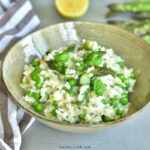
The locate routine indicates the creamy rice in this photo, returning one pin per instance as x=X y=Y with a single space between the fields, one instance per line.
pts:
x=87 y=83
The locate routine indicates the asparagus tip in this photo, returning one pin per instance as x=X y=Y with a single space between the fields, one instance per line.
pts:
x=112 y=10
x=110 y=6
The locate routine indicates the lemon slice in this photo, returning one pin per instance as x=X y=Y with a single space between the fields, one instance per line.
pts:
x=72 y=8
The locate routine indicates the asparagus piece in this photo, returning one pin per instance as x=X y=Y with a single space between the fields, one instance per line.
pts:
x=142 y=15
x=53 y=64
x=143 y=6
x=137 y=27
x=103 y=71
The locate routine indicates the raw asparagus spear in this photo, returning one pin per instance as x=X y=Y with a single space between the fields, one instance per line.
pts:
x=137 y=27
x=129 y=7
x=142 y=16
x=133 y=27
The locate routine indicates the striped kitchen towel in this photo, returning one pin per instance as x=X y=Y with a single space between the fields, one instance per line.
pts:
x=17 y=19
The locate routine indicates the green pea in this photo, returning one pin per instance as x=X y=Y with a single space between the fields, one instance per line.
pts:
x=30 y=94
x=35 y=74
x=126 y=82
x=132 y=76
x=103 y=101
x=74 y=60
x=39 y=108
x=35 y=63
x=36 y=78
x=35 y=103
x=53 y=112
x=37 y=69
x=124 y=94
x=72 y=82
x=119 y=112
x=63 y=57
x=121 y=64
x=55 y=103
x=81 y=67
x=85 y=79
x=38 y=85
x=120 y=85
x=114 y=98
x=107 y=119
x=71 y=93
x=114 y=104
x=82 y=116
x=121 y=76
x=36 y=95
x=124 y=101
x=127 y=85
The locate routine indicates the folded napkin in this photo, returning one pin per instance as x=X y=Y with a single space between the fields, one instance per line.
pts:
x=17 y=19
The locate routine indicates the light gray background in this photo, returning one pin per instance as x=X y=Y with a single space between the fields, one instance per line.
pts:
x=131 y=135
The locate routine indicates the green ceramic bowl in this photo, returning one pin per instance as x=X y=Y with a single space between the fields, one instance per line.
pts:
x=132 y=49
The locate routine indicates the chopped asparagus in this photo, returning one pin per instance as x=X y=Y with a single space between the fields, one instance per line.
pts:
x=53 y=64
x=103 y=71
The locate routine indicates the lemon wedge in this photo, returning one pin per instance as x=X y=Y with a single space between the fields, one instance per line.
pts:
x=72 y=8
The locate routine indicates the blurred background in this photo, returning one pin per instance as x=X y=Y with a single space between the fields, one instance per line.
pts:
x=132 y=15
x=48 y=14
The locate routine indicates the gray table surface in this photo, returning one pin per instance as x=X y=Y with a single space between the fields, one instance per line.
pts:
x=131 y=135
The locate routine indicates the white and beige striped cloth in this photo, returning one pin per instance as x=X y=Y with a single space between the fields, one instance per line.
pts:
x=17 y=19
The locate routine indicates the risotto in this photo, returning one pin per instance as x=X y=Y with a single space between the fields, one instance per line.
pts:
x=85 y=83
